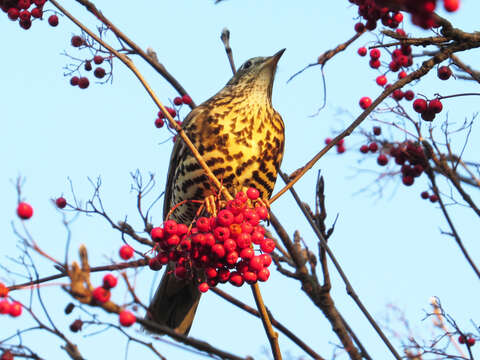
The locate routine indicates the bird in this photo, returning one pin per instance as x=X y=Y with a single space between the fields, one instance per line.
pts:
x=241 y=137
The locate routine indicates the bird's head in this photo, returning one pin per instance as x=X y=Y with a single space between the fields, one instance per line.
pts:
x=256 y=75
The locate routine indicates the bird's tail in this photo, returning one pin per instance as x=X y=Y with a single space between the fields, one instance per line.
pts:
x=174 y=303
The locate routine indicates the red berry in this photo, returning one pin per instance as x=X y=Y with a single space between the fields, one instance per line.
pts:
x=397 y=94
x=231 y=258
x=461 y=339
x=340 y=149
x=186 y=99
x=181 y=272
x=444 y=72
x=247 y=253
x=24 y=15
x=4 y=306
x=88 y=65
x=377 y=130
x=126 y=318
x=262 y=212
x=170 y=227
x=6 y=355
x=157 y=233
x=364 y=149
x=159 y=123
x=267 y=246
x=267 y=259
x=394 y=66
x=76 y=41
x=3 y=290
x=435 y=106
x=373 y=147
x=74 y=81
x=424 y=195
x=13 y=13
x=37 y=13
x=407 y=180
x=451 y=5
x=83 y=83
x=374 y=63
x=382 y=160
x=25 y=24
x=101 y=294
x=15 y=309
x=230 y=245
x=154 y=264
x=236 y=279
x=402 y=74
x=252 y=193
x=250 y=277
x=61 y=202
x=109 y=281
x=381 y=80
x=256 y=263
x=97 y=59
x=433 y=198
x=398 y=17
x=24 y=210
x=409 y=95
x=203 y=224
x=263 y=274
x=218 y=250
x=428 y=115
x=362 y=51
x=126 y=252
x=76 y=326
x=203 y=287
x=359 y=27
x=178 y=101
x=171 y=111
x=225 y=217
x=375 y=54
x=53 y=20
x=365 y=102
x=470 y=341
x=420 y=105
x=328 y=141
x=99 y=72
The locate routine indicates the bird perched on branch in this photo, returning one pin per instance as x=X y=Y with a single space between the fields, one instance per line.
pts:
x=241 y=138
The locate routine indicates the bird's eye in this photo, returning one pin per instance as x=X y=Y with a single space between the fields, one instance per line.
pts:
x=247 y=64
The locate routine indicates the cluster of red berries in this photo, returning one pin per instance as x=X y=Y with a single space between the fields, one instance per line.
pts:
x=99 y=72
x=371 y=11
x=178 y=101
x=470 y=341
x=25 y=11
x=13 y=308
x=408 y=155
x=387 y=10
x=340 y=145
x=220 y=247
x=427 y=109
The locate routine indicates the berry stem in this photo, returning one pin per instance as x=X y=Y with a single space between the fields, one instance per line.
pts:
x=267 y=324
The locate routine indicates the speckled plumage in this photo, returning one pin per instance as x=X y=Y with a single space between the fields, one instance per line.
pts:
x=241 y=138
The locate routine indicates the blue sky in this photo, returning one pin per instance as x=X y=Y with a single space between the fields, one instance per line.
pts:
x=389 y=244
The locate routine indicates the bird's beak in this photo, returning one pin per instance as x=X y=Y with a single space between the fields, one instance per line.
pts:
x=273 y=60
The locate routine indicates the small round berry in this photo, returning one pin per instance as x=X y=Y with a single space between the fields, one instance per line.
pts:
x=76 y=41
x=74 y=81
x=37 y=13
x=25 y=15
x=126 y=252
x=99 y=72
x=381 y=80
x=428 y=115
x=3 y=290
x=83 y=83
x=219 y=250
x=178 y=101
x=377 y=130
x=250 y=277
x=76 y=326
x=424 y=195
x=13 y=14
x=374 y=63
x=171 y=111
x=375 y=54
x=451 y=5
x=407 y=180
x=53 y=20
x=225 y=217
x=444 y=72
x=25 y=24
x=229 y=245
x=382 y=160
x=186 y=99
x=267 y=246
x=101 y=294
x=97 y=59
x=154 y=264
x=6 y=355
x=170 y=227
x=157 y=234
x=126 y=318
x=109 y=281
x=409 y=95
x=433 y=198
x=203 y=287
x=328 y=141
x=364 y=149
x=203 y=224
x=61 y=202
x=402 y=74
x=359 y=27
x=470 y=341
x=159 y=123
x=4 y=306
x=365 y=102
x=397 y=94
x=267 y=260
x=24 y=210
x=262 y=212
x=398 y=17
x=263 y=274
x=231 y=258
x=341 y=149
x=252 y=193
x=362 y=51
x=88 y=65
x=256 y=263
x=435 y=106
x=420 y=105
x=461 y=339
x=236 y=279
x=373 y=147
x=15 y=309
x=247 y=253
x=69 y=308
